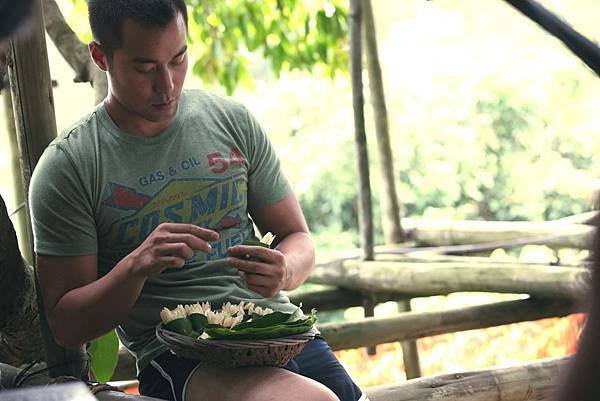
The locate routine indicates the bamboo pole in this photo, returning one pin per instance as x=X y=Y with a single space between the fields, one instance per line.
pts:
x=532 y=381
x=21 y=223
x=392 y=229
x=365 y=210
x=426 y=279
x=415 y=325
x=365 y=205
x=33 y=105
x=452 y=232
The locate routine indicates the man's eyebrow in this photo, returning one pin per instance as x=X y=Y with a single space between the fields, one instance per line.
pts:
x=144 y=60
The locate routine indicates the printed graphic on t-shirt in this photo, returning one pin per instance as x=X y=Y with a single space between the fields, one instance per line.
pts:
x=215 y=203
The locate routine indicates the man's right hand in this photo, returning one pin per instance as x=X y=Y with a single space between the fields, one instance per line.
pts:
x=169 y=245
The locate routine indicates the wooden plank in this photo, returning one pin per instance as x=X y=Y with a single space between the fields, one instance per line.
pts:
x=532 y=381
x=414 y=325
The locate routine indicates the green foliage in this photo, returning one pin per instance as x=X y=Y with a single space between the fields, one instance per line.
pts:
x=331 y=203
x=104 y=353
x=227 y=36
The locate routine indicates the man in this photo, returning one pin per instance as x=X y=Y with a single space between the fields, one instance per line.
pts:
x=144 y=204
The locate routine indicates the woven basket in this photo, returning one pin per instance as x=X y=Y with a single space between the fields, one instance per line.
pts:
x=236 y=353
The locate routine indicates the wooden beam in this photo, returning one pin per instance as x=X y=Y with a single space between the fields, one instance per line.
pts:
x=532 y=381
x=414 y=325
x=454 y=232
x=425 y=279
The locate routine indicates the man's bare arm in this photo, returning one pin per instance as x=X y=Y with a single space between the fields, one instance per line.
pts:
x=289 y=264
x=81 y=307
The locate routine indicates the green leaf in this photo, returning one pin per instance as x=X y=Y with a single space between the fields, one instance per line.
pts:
x=104 y=352
x=252 y=242
x=295 y=323
x=183 y=325
x=199 y=322
x=257 y=333
x=264 y=321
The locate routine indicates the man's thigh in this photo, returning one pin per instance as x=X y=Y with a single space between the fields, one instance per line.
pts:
x=318 y=362
x=311 y=375
x=254 y=384
x=169 y=377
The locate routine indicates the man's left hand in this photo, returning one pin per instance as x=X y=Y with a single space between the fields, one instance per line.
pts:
x=265 y=272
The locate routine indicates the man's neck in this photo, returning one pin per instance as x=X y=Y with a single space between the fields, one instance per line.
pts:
x=131 y=123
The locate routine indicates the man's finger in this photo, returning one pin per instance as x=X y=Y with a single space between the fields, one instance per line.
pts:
x=178 y=249
x=239 y=251
x=191 y=240
x=247 y=265
x=256 y=279
x=200 y=232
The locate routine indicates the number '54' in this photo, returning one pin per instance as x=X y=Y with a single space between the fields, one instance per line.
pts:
x=220 y=164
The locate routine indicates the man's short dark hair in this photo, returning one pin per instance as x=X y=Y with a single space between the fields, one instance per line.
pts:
x=12 y=14
x=107 y=17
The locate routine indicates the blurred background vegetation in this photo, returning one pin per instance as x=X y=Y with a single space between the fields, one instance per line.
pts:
x=490 y=117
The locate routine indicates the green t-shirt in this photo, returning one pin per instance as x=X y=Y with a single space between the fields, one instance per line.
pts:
x=98 y=190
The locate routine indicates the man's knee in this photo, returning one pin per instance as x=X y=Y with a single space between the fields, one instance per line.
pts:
x=322 y=393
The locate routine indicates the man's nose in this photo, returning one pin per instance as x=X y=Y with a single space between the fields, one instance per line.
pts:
x=164 y=81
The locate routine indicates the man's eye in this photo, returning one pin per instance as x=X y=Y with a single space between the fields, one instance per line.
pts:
x=144 y=71
x=179 y=59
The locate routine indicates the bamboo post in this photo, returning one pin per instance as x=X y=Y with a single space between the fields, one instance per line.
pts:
x=392 y=229
x=365 y=210
x=33 y=105
x=20 y=201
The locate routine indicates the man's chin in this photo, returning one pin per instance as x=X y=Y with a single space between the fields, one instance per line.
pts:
x=163 y=112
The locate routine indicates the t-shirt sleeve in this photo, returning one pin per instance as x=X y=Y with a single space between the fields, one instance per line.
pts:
x=266 y=182
x=61 y=212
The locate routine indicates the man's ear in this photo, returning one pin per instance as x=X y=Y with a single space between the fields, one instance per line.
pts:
x=98 y=55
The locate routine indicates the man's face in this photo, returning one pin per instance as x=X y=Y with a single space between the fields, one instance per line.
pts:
x=146 y=75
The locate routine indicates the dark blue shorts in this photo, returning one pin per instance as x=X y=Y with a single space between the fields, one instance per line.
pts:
x=167 y=375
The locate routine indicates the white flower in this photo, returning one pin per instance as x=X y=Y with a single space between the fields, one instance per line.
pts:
x=268 y=238
x=195 y=308
x=262 y=312
x=215 y=317
x=205 y=306
x=249 y=307
x=167 y=315
x=231 y=321
x=230 y=309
